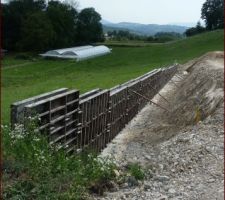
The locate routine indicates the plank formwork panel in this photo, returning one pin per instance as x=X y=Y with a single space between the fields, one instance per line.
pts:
x=117 y=116
x=133 y=100
x=92 y=121
x=58 y=118
x=17 y=108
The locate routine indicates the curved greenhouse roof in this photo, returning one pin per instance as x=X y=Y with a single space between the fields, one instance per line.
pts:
x=78 y=53
x=60 y=51
x=87 y=53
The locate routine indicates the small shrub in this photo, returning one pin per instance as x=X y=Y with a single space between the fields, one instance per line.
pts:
x=136 y=171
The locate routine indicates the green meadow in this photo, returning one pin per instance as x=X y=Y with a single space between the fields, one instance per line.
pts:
x=22 y=78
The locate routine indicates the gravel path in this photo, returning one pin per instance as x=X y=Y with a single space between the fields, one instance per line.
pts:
x=182 y=151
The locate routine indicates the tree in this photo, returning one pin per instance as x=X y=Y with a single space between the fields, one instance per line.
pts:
x=195 y=30
x=150 y=39
x=72 y=3
x=190 y=32
x=89 y=27
x=167 y=36
x=63 y=18
x=213 y=14
x=38 y=32
x=199 y=27
x=35 y=25
x=14 y=14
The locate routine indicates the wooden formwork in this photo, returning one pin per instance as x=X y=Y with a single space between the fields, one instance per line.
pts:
x=166 y=76
x=146 y=81
x=58 y=118
x=151 y=84
x=133 y=100
x=146 y=89
x=92 y=121
x=90 y=93
x=117 y=115
x=168 y=73
x=157 y=81
x=17 y=108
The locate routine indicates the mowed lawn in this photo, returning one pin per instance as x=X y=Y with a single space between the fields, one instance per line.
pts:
x=23 y=78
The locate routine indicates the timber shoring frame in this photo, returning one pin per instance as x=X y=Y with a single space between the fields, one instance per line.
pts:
x=90 y=121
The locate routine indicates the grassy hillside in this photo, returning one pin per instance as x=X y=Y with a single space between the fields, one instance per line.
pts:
x=23 y=78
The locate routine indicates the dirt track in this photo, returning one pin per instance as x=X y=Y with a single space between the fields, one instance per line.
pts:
x=182 y=149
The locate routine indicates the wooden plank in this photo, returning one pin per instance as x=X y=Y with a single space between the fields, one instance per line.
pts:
x=62 y=108
x=17 y=108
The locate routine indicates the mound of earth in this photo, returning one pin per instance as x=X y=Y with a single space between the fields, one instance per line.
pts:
x=182 y=149
x=200 y=92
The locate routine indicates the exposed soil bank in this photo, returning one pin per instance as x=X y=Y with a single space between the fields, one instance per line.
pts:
x=181 y=149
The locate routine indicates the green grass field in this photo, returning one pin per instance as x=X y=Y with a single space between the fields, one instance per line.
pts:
x=23 y=78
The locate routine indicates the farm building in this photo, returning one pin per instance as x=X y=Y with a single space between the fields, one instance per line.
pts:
x=78 y=53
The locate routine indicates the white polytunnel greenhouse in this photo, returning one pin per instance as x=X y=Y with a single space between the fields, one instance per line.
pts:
x=78 y=53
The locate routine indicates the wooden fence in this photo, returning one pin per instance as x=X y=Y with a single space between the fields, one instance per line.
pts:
x=91 y=120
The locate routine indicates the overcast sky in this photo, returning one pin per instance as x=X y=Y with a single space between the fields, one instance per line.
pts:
x=146 y=11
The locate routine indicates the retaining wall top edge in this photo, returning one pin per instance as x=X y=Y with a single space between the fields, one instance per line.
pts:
x=50 y=98
x=116 y=90
x=93 y=96
x=89 y=93
x=38 y=97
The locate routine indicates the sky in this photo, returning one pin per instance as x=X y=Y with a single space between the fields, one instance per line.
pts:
x=146 y=11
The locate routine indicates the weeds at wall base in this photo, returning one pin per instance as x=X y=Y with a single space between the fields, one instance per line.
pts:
x=33 y=169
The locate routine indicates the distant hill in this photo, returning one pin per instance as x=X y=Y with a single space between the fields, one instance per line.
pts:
x=187 y=24
x=142 y=29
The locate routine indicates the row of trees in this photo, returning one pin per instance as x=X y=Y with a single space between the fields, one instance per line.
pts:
x=166 y=36
x=195 y=30
x=158 y=37
x=212 y=13
x=34 y=25
x=124 y=35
